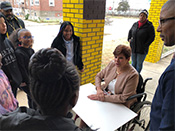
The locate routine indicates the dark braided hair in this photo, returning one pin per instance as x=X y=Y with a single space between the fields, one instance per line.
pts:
x=53 y=80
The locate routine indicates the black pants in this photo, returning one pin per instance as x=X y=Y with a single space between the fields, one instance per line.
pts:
x=30 y=101
x=14 y=88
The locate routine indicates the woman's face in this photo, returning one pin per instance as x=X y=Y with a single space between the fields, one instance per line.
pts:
x=121 y=60
x=67 y=32
x=26 y=38
x=142 y=17
x=3 y=27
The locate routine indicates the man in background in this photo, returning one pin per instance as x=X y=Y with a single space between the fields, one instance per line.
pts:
x=12 y=21
x=163 y=106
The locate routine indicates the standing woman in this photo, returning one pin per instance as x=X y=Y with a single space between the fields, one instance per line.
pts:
x=10 y=66
x=69 y=44
x=140 y=36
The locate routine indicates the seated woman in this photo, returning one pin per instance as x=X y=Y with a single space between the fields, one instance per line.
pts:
x=54 y=86
x=120 y=79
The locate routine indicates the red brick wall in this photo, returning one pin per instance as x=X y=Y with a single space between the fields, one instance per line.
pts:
x=45 y=6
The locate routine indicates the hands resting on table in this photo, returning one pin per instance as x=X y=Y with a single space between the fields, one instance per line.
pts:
x=100 y=96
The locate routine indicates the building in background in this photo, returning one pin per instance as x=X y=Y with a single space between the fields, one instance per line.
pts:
x=37 y=9
x=52 y=9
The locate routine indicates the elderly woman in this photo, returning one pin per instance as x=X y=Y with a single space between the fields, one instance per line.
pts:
x=120 y=79
x=55 y=89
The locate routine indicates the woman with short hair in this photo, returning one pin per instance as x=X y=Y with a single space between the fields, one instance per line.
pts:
x=120 y=79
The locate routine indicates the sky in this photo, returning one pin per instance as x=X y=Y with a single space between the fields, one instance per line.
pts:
x=134 y=4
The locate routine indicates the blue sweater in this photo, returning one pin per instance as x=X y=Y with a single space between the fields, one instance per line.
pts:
x=162 y=110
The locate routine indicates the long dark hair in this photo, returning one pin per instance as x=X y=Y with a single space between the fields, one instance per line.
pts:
x=63 y=26
x=3 y=36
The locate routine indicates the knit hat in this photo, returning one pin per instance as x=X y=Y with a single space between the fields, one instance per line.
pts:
x=145 y=12
x=6 y=5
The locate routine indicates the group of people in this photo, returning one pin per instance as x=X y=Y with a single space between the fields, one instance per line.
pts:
x=16 y=51
x=15 y=54
x=52 y=79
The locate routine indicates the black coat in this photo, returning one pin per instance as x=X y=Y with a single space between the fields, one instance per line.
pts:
x=141 y=37
x=23 y=57
x=28 y=119
x=10 y=66
x=60 y=45
x=13 y=24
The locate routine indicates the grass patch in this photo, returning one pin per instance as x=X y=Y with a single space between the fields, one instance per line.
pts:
x=109 y=47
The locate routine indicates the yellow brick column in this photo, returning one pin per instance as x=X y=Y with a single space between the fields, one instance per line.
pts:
x=155 y=49
x=87 y=16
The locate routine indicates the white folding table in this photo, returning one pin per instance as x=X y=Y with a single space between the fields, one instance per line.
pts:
x=103 y=115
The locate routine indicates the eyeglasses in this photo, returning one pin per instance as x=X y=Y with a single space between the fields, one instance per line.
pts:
x=162 y=21
x=27 y=37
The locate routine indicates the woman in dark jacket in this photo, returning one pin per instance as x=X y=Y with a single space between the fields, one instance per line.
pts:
x=140 y=36
x=10 y=66
x=69 y=44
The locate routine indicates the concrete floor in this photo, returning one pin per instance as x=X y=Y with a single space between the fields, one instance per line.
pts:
x=153 y=70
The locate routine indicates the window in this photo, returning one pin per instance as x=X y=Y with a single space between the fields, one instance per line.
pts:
x=51 y=2
x=27 y=2
x=36 y=2
x=31 y=2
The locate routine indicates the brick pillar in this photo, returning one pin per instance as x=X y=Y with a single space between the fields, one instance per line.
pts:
x=87 y=16
x=155 y=49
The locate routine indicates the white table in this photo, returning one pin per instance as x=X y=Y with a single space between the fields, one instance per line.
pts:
x=103 y=115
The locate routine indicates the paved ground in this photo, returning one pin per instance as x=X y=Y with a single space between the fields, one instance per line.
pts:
x=153 y=70
x=44 y=35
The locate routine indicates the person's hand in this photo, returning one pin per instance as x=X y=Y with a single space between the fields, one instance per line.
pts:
x=100 y=94
x=129 y=40
x=93 y=97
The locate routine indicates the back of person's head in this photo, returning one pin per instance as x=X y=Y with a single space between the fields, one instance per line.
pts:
x=122 y=49
x=63 y=26
x=54 y=81
x=14 y=38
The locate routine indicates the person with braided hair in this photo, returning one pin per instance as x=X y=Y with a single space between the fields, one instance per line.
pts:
x=54 y=88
